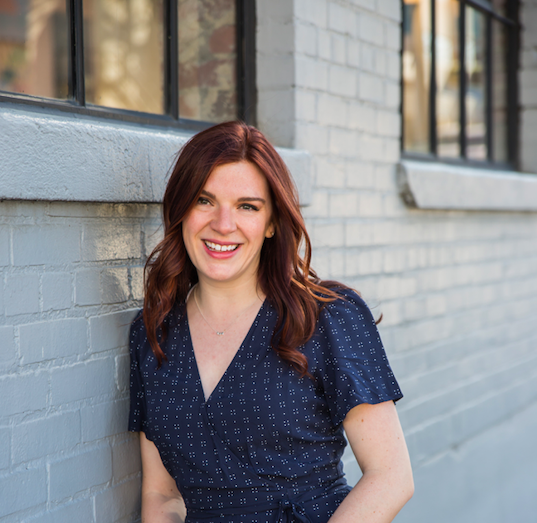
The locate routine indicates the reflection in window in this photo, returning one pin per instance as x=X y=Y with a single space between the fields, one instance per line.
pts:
x=124 y=54
x=207 y=60
x=499 y=93
x=34 y=47
x=475 y=85
x=447 y=77
x=468 y=108
x=416 y=74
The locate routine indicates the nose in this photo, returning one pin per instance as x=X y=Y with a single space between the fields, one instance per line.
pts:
x=223 y=221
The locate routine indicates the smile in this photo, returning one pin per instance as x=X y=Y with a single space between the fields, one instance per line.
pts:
x=220 y=248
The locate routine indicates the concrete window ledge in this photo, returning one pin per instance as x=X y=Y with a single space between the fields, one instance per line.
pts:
x=68 y=157
x=429 y=185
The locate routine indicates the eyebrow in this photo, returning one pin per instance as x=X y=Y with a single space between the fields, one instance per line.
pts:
x=243 y=199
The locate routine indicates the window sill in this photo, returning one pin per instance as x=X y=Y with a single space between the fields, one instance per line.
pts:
x=429 y=185
x=68 y=157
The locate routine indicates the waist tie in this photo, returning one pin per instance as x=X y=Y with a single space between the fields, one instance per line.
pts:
x=287 y=511
x=287 y=508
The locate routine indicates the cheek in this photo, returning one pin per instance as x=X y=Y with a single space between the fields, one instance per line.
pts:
x=259 y=232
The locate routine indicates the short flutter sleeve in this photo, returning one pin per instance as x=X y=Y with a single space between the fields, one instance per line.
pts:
x=353 y=367
x=137 y=347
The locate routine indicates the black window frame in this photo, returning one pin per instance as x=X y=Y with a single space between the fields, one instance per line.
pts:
x=76 y=101
x=512 y=56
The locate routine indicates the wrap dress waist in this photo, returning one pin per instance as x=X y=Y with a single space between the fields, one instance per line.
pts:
x=285 y=506
x=247 y=492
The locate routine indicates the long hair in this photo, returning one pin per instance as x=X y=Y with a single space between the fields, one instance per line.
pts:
x=284 y=276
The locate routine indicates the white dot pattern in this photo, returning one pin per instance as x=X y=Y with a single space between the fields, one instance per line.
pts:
x=266 y=446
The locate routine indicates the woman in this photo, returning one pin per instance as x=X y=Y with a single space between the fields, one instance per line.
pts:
x=246 y=367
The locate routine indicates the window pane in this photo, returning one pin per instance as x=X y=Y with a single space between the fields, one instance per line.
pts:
x=499 y=92
x=207 y=60
x=34 y=48
x=498 y=7
x=416 y=74
x=447 y=78
x=124 y=54
x=475 y=85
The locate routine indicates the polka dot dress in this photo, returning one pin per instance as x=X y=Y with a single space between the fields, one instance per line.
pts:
x=266 y=446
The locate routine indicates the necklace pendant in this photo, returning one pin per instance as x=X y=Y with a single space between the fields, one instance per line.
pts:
x=219 y=333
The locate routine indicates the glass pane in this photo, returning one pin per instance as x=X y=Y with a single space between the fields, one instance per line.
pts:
x=499 y=92
x=124 y=54
x=498 y=7
x=34 y=48
x=447 y=78
x=207 y=60
x=475 y=85
x=416 y=74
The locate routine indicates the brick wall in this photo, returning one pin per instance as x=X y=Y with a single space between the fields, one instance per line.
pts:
x=457 y=289
x=70 y=282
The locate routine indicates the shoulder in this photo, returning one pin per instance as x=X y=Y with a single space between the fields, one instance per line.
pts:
x=137 y=336
x=348 y=307
x=139 y=345
x=346 y=325
x=137 y=326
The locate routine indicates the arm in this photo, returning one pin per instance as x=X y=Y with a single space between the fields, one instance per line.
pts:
x=161 y=501
x=377 y=441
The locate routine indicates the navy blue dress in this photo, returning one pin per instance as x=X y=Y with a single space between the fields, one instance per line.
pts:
x=266 y=446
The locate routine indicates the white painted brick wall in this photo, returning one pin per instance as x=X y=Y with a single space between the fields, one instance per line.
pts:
x=71 y=275
x=456 y=289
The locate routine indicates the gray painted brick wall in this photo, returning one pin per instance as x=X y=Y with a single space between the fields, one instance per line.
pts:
x=456 y=288
x=71 y=276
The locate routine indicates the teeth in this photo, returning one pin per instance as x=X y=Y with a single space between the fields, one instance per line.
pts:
x=221 y=248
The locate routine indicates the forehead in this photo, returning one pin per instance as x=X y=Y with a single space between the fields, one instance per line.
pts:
x=238 y=177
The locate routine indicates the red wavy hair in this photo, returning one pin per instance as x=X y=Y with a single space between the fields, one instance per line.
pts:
x=284 y=276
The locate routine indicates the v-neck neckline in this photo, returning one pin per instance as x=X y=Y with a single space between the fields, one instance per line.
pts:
x=232 y=363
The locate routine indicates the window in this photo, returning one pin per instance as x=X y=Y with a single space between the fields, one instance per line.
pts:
x=459 y=80
x=174 y=62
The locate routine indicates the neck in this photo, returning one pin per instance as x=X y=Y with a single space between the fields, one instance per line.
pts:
x=227 y=299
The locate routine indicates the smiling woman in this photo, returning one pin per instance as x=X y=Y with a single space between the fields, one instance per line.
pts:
x=246 y=368
x=230 y=221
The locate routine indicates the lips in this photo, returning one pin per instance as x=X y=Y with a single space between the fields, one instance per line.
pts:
x=216 y=247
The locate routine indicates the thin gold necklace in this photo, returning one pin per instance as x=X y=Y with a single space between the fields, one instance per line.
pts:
x=217 y=332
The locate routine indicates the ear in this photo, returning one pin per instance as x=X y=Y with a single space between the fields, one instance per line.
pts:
x=270 y=231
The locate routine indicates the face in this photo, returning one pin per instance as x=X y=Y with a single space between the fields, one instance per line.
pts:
x=226 y=228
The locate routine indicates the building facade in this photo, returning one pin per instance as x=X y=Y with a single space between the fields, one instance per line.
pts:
x=445 y=250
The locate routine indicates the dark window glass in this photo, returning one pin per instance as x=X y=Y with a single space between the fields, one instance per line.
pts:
x=34 y=48
x=475 y=84
x=467 y=108
x=499 y=92
x=416 y=74
x=207 y=60
x=124 y=54
x=447 y=78
x=180 y=62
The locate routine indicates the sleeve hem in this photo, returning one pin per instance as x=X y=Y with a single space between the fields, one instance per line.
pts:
x=357 y=400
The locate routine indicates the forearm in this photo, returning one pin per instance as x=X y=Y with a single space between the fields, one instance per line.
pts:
x=376 y=498
x=157 y=508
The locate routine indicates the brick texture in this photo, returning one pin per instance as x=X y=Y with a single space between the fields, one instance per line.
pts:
x=71 y=286
x=455 y=289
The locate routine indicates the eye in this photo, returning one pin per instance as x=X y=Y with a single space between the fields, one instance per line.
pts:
x=203 y=201
x=249 y=207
